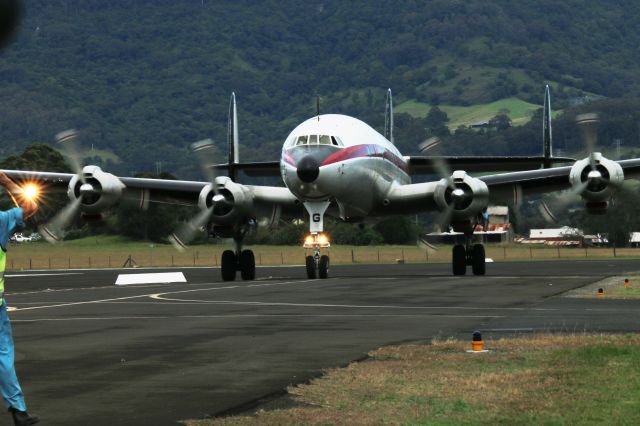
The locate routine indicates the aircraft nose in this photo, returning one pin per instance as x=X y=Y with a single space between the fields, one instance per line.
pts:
x=308 y=169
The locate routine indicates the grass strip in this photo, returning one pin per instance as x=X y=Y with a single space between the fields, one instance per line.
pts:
x=533 y=380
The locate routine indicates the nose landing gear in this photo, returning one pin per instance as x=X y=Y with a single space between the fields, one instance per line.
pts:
x=317 y=264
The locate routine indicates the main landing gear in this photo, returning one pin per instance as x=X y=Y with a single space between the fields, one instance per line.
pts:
x=238 y=260
x=468 y=254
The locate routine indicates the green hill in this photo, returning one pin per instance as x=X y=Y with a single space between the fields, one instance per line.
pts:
x=519 y=111
x=143 y=79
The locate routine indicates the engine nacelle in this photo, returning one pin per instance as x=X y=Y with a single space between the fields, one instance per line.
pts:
x=97 y=191
x=230 y=201
x=463 y=195
x=597 y=183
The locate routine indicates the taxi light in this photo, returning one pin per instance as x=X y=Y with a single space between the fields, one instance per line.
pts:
x=316 y=240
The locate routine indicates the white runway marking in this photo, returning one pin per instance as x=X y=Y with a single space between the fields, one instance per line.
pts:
x=41 y=275
x=129 y=318
x=153 y=278
x=139 y=296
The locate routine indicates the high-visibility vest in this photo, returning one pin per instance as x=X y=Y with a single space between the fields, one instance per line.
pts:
x=3 y=264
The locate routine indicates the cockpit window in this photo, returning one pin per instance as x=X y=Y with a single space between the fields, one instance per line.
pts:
x=317 y=139
x=325 y=140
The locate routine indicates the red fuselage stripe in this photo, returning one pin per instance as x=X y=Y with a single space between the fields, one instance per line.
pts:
x=368 y=150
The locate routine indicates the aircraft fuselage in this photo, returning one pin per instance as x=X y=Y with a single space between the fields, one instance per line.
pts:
x=342 y=159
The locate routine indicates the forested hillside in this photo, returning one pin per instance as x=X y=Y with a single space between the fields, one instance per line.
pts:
x=143 y=79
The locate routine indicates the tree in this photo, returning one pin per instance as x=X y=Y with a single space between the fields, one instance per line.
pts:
x=398 y=230
x=155 y=224
x=621 y=218
x=500 y=122
x=435 y=122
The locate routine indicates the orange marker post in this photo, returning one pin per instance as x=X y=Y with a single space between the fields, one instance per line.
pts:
x=477 y=345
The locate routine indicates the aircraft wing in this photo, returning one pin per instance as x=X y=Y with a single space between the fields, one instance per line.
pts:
x=423 y=165
x=503 y=187
x=509 y=186
x=429 y=165
x=144 y=190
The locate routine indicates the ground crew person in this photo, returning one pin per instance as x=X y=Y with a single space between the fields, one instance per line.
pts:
x=9 y=386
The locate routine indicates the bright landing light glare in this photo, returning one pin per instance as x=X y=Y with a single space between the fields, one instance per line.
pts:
x=31 y=191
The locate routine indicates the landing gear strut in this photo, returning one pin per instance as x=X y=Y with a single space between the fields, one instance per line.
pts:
x=316 y=263
x=468 y=254
x=238 y=260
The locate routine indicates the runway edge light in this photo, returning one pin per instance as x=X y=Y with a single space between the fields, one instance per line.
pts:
x=600 y=292
x=476 y=341
x=477 y=345
x=626 y=282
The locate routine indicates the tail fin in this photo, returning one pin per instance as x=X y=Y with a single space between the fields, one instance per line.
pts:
x=232 y=137
x=388 y=117
x=546 y=129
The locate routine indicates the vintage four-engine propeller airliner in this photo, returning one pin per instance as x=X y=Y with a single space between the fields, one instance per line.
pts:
x=337 y=165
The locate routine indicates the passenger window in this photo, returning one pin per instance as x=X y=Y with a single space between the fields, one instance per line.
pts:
x=313 y=139
x=302 y=140
x=325 y=140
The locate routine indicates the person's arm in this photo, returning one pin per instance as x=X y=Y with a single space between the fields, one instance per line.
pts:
x=29 y=207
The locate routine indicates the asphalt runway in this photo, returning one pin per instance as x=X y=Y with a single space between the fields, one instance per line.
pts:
x=89 y=352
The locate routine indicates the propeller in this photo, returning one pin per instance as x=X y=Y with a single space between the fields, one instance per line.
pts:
x=54 y=230
x=205 y=152
x=595 y=177
x=429 y=143
x=442 y=169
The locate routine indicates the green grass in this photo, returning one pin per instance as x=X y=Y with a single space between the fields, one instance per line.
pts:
x=519 y=111
x=111 y=251
x=539 y=379
x=622 y=292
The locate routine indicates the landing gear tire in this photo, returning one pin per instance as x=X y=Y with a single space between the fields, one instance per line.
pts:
x=247 y=265
x=478 y=264
x=459 y=260
x=323 y=267
x=228 y=266
x=311 y=267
